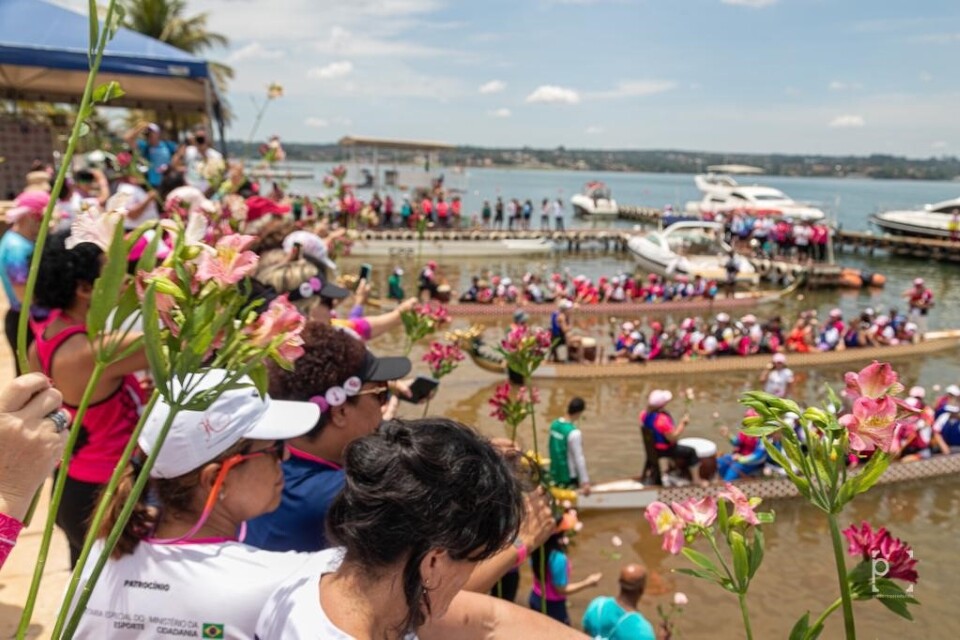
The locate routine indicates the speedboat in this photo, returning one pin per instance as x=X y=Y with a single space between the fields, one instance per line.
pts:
x=932 y=221
x=753 y=200
x=595 y=201
x=688 y=249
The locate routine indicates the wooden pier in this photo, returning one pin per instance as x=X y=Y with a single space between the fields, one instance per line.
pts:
x=906 y=246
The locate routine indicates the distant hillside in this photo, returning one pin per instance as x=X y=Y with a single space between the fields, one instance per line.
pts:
x=655 y=161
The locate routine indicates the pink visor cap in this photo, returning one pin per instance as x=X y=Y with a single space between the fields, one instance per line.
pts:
x=198 y=437
x=28 y=203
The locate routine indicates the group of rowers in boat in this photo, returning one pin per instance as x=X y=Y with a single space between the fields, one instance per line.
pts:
x=933 y=430
x=699 y=338
x=536 y=289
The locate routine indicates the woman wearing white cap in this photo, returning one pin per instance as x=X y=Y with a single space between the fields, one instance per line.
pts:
x=178 y=566
x=666 y=433
x=777 y=379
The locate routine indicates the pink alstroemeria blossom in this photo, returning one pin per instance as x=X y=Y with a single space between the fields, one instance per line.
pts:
x=742 y=506
x=873 y=381
x=872 y=424
x=876 y=545
x=664 y=522
x=697 y=512
x=231 y=263
x=280 y=319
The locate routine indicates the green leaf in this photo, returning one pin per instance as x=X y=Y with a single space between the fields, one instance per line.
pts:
x=863 y=481
x=741 y=566
x=115 y=21
x=84 y=129
x=106 y=289
x=705 y=575
x=108 y=91
x=701 y=561
x=897 y=605
x=799 y=631
x=723 y=516
x=765 y=517
x=94 y=21
x=756 y=551
x=761 y=430
x=153 y=343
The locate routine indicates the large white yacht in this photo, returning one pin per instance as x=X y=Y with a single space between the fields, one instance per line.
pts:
x=753 y=199
x=688 y=249
x=932 y=221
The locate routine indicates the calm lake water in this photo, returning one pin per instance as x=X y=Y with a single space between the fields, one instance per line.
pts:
x=798 y=572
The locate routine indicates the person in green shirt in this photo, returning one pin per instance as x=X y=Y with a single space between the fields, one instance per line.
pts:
x=395 y=285
x=568 y=467
x=617 y=618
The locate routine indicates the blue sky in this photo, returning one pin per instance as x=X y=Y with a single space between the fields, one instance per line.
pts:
x=794 y=76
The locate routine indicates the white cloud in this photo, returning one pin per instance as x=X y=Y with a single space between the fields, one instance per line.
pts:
x=635 y=88
x=494 y=86
x=593 y=130
x=552 y=94
x=344 y=42
x=792 y=91
x=254 y=51
x=938 y=38
x=926 y=76
x=502 y=112
x=339 y=69
x=939 y=144
x=317 y=123
x=753 y=4
x=848 y=122
x=839 y=85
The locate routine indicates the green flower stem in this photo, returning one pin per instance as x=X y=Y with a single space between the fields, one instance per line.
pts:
x=823 y=616
x=58 y=488
x=708 y=534
x=849 y=625
x=119 y=525
x=94 y=529
x=742 y=597
x=25 y=304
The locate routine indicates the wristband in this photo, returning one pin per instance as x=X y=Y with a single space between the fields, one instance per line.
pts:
x=521 y=552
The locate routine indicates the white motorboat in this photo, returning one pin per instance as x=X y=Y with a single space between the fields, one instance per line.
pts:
x=754 y=200
x=595 y=201
x=933 y=221
x=688 y=249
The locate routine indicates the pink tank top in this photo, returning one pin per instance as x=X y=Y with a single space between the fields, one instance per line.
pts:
x=552 y=594
x=108 y=423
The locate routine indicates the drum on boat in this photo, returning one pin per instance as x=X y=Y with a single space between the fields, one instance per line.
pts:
x=706 y=452
x=443 y=293
x=588 y=349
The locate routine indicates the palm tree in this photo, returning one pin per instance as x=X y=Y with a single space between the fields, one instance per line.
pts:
x=165 y=20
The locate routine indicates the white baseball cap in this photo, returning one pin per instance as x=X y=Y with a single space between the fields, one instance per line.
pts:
x=198 y=437
x=312 y=247
x=953 y=390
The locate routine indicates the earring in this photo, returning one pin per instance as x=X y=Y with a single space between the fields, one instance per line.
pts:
x=221 y=496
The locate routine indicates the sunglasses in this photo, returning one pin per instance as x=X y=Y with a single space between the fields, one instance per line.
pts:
x=278 y=450
x=382 y=394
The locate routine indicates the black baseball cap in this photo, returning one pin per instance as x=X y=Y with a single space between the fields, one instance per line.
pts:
x=376 y=369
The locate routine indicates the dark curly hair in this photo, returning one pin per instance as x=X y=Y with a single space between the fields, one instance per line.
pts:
x=421 y=485
x=62 y=269
x=272 y=234
x=330 y=356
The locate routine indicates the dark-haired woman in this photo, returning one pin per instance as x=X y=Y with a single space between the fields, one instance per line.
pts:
x=423 y=502
x=64 y=354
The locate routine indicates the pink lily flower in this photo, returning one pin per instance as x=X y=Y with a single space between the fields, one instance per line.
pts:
x=701 y=512
x=664 y=522
x=742 y=506
x=280 y=319
x=880 y=544
x=231 y=263
x=873 y=381
x=872 y=424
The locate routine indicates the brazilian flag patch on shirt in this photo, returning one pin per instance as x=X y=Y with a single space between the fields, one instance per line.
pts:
x=212 y=630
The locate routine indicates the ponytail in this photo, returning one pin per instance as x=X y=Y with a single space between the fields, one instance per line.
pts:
x=142 y=520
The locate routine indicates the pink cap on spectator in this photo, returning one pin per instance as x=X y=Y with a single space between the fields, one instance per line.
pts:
x=918 y=282
x=28 y=203
x=779 y=358
x=917 y=392
x=658 y=398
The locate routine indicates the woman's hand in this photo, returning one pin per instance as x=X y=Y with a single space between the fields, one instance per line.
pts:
x=30 y=443
x=537 y=524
